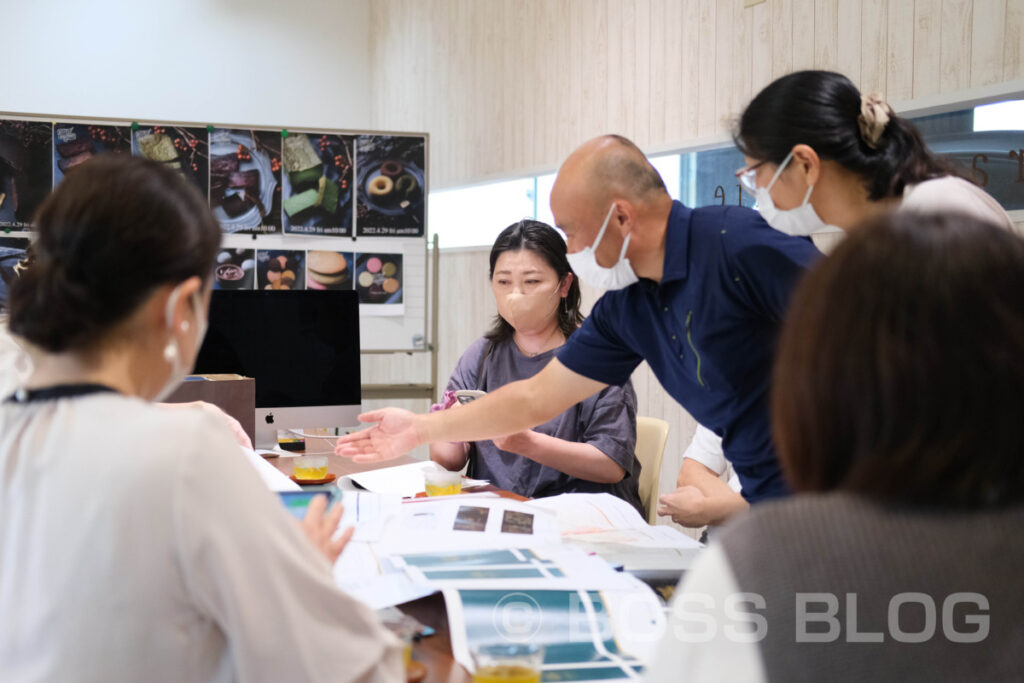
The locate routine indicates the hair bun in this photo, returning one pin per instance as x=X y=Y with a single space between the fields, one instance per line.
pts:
x=874 y=117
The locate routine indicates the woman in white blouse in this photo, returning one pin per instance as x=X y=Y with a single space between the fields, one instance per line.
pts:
x=137 y=543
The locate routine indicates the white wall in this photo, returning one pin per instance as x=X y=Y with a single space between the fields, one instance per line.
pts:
x=303 y=63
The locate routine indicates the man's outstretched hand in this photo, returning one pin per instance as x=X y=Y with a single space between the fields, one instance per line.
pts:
x=395 y=434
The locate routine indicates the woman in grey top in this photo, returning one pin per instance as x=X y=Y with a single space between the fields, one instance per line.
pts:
x=588 y=448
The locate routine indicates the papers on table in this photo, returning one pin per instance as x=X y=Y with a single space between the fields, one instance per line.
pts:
x=587 y=635
x=603 y=518
x=405 y=480
x=369 y=513
x=386 y=590
x=467 y=523
x=275 y=479
x=611 y=528
x=553 y=567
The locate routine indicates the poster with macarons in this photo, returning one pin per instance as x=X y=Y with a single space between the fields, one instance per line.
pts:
x=379 y=283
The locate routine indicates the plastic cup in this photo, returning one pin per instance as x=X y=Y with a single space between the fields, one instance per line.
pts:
x=442 y=482
x=508 y=663
x=310 y=467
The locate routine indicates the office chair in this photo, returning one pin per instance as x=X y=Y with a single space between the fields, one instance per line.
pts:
x=651 y=436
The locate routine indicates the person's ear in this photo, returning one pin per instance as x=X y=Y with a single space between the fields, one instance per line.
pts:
x=624 y=217
x=807 y=162
x=563 y=289
x=180 y=313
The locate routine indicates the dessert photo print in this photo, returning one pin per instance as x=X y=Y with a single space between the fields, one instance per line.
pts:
x=329 y=270
x=76 y=143
x=390 y=186
x=280 y=269
x=236 y=269
x=317 y=183
x=379 y=283
x=245 y=180
x=186 y=151
x=26 y=176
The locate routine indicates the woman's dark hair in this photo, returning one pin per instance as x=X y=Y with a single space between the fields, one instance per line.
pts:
x=113 y=230
x=543 y=240
x=900 y=370
x=820 y=109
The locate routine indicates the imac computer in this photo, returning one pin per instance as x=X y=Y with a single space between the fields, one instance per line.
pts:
x=300 y=347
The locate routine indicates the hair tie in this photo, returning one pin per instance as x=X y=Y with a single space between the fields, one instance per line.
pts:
x=874 y=117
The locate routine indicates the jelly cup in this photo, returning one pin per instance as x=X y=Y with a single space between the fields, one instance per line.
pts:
x=310 y=467
x=508 y=663
x=442 y=482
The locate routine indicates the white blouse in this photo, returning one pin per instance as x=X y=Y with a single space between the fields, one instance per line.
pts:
x=948 y=194
x=138 y=544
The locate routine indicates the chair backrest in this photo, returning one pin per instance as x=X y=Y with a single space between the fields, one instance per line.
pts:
x=651 y=436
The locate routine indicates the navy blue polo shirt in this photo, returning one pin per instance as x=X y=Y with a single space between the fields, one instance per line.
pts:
x=707 y=330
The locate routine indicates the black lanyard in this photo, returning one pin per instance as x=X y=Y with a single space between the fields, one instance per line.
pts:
x=57 y=391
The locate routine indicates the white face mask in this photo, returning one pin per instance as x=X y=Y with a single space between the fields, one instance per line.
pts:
x=801 y=221
x=172 y=352
x=585 y=264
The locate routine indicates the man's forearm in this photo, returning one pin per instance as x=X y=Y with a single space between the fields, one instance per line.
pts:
x=718 y=509
x=512 y=408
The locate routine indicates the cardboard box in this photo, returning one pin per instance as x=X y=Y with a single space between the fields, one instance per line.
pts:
x=234 y=394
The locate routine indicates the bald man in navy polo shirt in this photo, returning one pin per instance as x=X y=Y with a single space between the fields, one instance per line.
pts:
x=709 y=288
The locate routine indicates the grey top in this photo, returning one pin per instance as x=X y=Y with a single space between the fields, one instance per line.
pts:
x=606 y=420
x=872 y=557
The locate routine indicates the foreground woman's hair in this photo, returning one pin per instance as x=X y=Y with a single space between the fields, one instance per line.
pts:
x=901 y=366
x=111 y=232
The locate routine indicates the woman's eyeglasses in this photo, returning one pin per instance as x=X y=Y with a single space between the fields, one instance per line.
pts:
x=747 y=177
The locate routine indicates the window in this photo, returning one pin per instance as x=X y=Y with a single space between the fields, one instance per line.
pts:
x=473 y=216
x=985 y=142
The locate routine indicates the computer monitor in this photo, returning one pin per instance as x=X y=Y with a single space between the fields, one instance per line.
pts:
x=300 y=347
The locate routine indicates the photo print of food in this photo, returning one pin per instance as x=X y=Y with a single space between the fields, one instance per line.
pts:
x=391 y=186
x=26 y=176
x=379 y=283
x=235 y=269
x=329 y=270
x=76 y=143
x=186 y=151
x=245 y=180
x=278 y=269
x=317 y=181
x=12 y=256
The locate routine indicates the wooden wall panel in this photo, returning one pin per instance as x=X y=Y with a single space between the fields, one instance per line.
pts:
x=508 y=87
x=927 y=42
x=1013 y=41
x=988 y=29
x=955 y=50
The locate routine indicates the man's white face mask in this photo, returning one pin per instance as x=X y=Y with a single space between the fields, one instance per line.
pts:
x=801 y=221
x=586 y=267
x=172 y=353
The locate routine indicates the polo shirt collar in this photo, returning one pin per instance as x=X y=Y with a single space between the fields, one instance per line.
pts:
x=677 y=244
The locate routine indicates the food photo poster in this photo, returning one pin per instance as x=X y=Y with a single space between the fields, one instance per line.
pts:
x=391 y=186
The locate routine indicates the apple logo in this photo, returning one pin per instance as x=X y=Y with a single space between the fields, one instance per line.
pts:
x=270 y=418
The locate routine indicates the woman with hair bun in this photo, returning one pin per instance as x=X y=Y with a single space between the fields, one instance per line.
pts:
x=137 y=542
x=820 y=153
x=588 y=448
